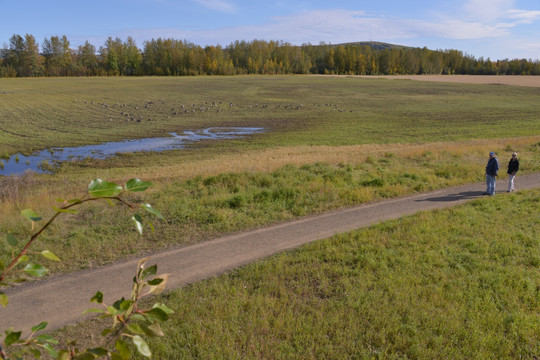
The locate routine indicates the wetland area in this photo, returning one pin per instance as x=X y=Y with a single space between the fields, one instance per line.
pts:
x=42 y=161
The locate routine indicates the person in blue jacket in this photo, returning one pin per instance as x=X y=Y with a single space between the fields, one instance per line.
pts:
x=491 y=173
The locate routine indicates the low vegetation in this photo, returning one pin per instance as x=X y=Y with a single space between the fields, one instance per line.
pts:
x=204 y=206
x=293 y=110
x=454 y=283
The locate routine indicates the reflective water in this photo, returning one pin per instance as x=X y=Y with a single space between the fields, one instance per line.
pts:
x=18 y=163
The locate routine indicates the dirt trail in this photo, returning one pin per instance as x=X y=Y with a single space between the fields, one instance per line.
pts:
x=61 y=299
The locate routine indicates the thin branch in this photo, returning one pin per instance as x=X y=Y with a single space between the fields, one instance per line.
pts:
x=37 y=234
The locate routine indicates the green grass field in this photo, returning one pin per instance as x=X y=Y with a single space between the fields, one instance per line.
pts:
x=459 y=283
x=421 y=287
x=295 y=110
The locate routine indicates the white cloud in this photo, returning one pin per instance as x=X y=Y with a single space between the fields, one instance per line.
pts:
x=218 y=5
x=463 y=30
x=340 y=26
x=487 y=10
x=524 y=16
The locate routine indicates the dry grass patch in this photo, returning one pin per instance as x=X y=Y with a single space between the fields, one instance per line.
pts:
x=517 y=80
x=36 y=191
x=271 y=159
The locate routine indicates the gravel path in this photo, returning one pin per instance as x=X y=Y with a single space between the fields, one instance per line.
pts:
x=61 y=299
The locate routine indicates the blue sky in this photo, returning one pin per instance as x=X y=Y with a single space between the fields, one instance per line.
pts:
x=497 y=29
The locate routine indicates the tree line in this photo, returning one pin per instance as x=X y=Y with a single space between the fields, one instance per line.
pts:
x=170 y=57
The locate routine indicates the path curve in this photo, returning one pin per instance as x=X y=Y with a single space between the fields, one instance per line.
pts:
x=61 y=299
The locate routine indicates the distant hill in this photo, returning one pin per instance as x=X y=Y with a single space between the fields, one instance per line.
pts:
x=376 y=45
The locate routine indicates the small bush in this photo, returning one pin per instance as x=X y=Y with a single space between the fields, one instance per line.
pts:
x=236 y=202
x=377 y=182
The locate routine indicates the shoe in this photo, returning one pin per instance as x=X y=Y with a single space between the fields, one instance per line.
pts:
x=486 y=193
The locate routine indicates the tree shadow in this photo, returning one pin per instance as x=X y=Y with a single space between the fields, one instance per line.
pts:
x=466 y=195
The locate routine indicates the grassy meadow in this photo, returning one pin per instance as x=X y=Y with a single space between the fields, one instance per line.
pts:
x=295 y=110
x=419 y=287
x=458 y=283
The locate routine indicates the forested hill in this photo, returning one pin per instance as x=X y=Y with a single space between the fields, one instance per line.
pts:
x=375 y=45
x=24 y=57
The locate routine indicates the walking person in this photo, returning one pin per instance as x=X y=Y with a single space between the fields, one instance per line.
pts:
x=491 y=173
x=513 y=167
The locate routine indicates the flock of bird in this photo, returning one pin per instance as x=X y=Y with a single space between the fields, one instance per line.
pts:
x=145 y=112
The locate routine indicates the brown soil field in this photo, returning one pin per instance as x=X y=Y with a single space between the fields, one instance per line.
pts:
x=513 y=80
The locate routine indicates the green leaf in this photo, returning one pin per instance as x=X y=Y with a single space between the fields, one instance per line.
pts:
x=52 y=352
x=31 y=215
x=85 y=356
x=123 y=349
x=137 y=185
x=63 y=355
x=36 y=353
x=11 y=239
x=163 y=307
x=152 y=270
x=98 y=297
x=142 y=346
x=122 y=304
x=35 y=270
x=93 y=310
x=111 y=310
x=68 y=211
x=158 y=284
x=99 y=351
x=99 y=188
x=49 y=255
x=138 y=223
x=40 y=326
x=22 y=259
x=138 y=317
x=126 y=304
x=74 y=201
x=135 y=329
x=153 y=330
x=44 y=338
x=156 y=314
x=12 y=338
x=155 y=281
x=152 y=211
x=4 y=300
x=151 y=226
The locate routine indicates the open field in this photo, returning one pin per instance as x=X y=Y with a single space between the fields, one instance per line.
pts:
x=294 y=110
x=330 y=142
x=526 y=80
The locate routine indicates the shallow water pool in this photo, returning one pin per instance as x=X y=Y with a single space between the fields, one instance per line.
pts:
x=18 y=163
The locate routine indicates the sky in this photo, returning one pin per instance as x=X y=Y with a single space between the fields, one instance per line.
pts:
x=495 y=29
